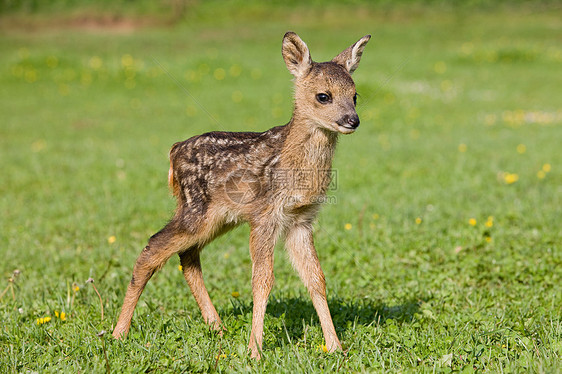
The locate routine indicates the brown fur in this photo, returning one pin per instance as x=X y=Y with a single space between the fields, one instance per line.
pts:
x=274 y=180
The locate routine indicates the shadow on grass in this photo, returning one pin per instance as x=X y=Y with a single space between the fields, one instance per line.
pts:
x=298 y=312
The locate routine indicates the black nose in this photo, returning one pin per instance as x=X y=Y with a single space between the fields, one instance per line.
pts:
x=351 y=121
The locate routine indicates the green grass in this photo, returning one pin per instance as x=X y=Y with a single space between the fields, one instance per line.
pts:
x=454 y=103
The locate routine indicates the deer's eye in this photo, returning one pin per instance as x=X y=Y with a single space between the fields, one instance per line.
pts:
x=323 y=98
x=355 y=99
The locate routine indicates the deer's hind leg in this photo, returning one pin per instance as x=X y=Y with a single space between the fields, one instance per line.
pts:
x=191 y=266
x=161 y=246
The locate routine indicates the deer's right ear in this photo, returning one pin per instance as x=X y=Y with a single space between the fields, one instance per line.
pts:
x=296 y=55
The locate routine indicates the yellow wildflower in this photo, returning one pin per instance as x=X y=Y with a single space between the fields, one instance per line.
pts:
x=235 y=294
x=521 y=148
x=219 y=74
x=348 y=226
x=446 y=85
x=467 y=48
x=256 y=74
x=52 y=61
x=111 y=239
x=472 y=222
x=75 y=288
x=490 y=119
x=235 y=70
x=127 y=60
x=30 y=76
x=440 y=67
x=64 y=89
x=462 y=147
x=541 y=174
x=490 y=222
x=510 y=178
x=63 y=316
x=86 y=78
x=38 y=145
x=43 y=320
x=237 y=96
x=180 y=268
x=418 y=220
x=95 y=62
x=546 y=168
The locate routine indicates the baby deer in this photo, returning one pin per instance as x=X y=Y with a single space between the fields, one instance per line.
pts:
x=274 y=180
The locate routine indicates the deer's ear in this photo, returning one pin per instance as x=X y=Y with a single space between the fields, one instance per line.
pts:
x=350 y=57
x=296 y=55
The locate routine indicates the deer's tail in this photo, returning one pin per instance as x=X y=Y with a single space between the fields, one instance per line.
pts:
x=172 y=180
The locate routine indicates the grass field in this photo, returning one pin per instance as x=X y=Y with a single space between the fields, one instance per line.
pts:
x=441 y=244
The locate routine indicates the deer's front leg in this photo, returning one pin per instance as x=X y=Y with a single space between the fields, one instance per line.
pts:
x=262 y=243
x=300 y=245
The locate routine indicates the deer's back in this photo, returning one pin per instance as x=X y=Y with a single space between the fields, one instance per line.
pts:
x=203 y=165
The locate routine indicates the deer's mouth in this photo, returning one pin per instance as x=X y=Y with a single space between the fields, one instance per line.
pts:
x=348 y=124
x=346 y=129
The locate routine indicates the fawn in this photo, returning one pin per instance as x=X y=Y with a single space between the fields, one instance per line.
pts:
x=274 y=180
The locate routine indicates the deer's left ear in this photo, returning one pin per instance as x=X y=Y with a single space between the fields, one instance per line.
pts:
x=350 y=57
